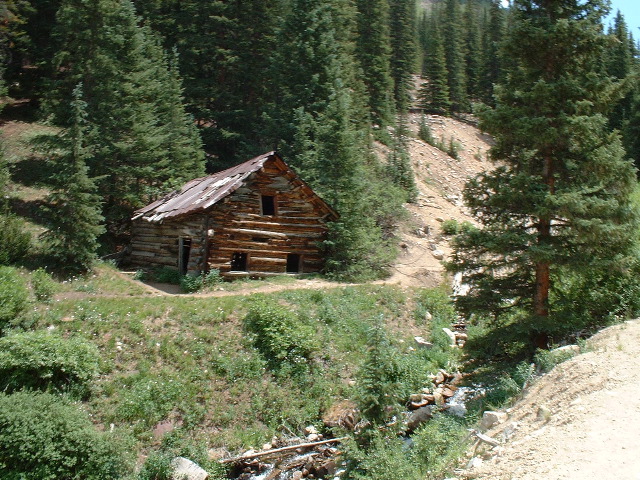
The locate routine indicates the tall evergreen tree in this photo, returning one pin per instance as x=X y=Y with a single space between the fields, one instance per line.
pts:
x=454 y=55
x=434 y=92
x=74 y=216
x=559 y=201
x=473 y=48
x=403 y=50
x=145 y=142
x=399 y=161
x=492 y=64
x=374 y=53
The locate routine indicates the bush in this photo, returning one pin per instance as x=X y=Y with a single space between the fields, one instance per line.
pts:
x=167 y=275
x=383 y=458
x=43 y=285
x=438 y=444
x=45 y=361
x=193 y=283
x=45 y=438
x=15 y=242
x=450 y=227
x=13 y=295
x=283 y=341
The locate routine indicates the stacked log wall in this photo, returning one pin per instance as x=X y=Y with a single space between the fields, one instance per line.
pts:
x=297 y=227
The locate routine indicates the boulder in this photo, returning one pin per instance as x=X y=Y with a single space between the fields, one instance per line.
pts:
x=490 y=419
x=419 y=416
x=438 y=254
x=451 y=335
x=185 y=469
x=456 y=409
x=422 y=343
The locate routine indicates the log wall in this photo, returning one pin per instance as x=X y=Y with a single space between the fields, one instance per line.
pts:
x=237 y=225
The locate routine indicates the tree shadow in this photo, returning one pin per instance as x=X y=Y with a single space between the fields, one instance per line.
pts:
x=30 y=209
x=33 y=171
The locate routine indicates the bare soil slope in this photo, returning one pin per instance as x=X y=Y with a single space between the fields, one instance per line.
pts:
x=592 y=426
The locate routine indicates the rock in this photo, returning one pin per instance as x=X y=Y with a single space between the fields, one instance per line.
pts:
x=297 y=475
x=267 y=446
x=475 y=462
x=415 y=397
x=449 y=391
x=185 y=469
x=451 y=335
x=461 y=336
x=544 y=413
x=217 y=453
x=457 y=409
x=310 y=430
x=343 y=414
x=419 y=416
x=439 y=219
x=490 y=419
x=314 y=437
x=326 y=469
x=438 y=397
x=422 y=343
x=438 y=254
x=428 y=317
x=440 y=378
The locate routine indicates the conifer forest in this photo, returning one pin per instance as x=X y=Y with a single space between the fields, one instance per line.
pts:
x=119 y=102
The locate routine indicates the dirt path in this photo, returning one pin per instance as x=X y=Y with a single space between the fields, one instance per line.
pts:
x=592 y=429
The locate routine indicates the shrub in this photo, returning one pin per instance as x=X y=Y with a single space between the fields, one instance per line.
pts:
x=43 y=360
x=13 y=295
x=43 y=285
x=424 y=132
x=15 y=242
x=284 y=342
x=167 y=275
x=450 y=227
x=191 y=283
x=438 y=444
x=44 y=437
x=382 y=458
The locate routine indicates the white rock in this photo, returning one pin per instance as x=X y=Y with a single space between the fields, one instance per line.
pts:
x=450 y=334
x=185 y=469
x=310 y=429
x=489 y=419
x=428 y=317
x=422 y=343
x=475 y=462
x=438 y=254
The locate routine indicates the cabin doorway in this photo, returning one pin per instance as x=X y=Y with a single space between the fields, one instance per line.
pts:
x=184 y=251
x=293 y=263
x=239 y=262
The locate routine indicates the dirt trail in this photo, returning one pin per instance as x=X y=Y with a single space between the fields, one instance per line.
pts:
x=592 y=428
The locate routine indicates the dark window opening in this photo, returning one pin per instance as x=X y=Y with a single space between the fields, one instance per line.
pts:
x=239 y=262
x=268 y=204
x=260 y=239
x=184 y=250
x=293 y=263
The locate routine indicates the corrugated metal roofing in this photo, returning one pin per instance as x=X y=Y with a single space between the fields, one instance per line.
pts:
x=201 y=193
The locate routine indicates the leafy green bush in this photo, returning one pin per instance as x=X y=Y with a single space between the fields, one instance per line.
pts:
x=282 y=339
x=43 y=360
x=379 y=379
x=13 y=295
x=43 y=285
x=382 y=458
x=167 y=275
x=45 y=438
x=15 y=242
x=438 y=444
x=191 y=283
x=450 y=227
x=545 y=360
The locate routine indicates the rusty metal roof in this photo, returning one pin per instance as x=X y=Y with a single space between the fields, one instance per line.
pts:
x=202 y=193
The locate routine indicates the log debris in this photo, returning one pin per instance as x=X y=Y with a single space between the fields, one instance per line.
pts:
x=280 y=450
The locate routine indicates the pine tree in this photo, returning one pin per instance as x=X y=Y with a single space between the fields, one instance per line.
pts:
x=374 y=53
x=473 y=49
x=454 y=55
x=403 y=50
x=145 y=142
x=559 y=201
x=491 y=58
x=433 y=95
x=74 y=212
x=399 y=161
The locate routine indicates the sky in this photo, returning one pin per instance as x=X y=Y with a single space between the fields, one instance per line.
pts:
x=631 y=11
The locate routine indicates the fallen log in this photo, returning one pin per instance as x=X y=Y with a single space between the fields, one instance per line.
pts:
x=281 y=449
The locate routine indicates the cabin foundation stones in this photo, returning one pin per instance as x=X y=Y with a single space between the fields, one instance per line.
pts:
x=255 y=219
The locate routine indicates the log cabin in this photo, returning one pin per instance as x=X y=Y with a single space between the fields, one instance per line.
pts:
x=255 y=219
